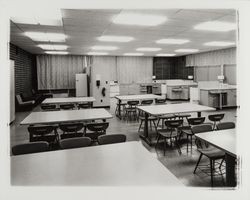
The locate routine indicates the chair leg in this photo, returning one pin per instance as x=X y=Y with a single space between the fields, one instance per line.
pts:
x=158 y=138
x=140 y=126
x=221 y=163
x=178 y=147
x=197 y=163
x=155 y=125
x=211 y=171
x=165 y=144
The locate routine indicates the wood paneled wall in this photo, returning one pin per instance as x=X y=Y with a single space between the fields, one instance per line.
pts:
x=25 y=69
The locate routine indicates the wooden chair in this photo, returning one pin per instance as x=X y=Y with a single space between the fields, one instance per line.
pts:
x=111 y=139
x=212 y=153
x=160 y=101
x=70 y=106
x=170 y=133
x=49 y=107
x=131 y=110
x=86 y=105
x=97 y=129
x=71 y=130
x=70 y=143
x=33 y=147
x=216 y=118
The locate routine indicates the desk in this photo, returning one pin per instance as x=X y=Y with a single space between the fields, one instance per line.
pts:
x=123 y=164
x=138 y=97
x=226 y=141
x=158 y=110
x=54 y=117
x=68 y=100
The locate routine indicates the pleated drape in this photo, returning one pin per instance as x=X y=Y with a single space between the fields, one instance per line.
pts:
x=58 y=72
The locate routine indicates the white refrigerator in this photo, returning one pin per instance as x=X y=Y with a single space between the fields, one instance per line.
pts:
x=81 y=85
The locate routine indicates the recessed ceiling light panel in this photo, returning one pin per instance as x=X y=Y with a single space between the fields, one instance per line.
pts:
x=186 y=50
x=111 y=38
x=172 y=41
x=133 y=54
x=165 y=54
x=97 y=53
x=46 y=37
x=57 y=52
x=139 y=19
x=219 y=43
x=52 y=47
x=216 y=26
x=148 y=49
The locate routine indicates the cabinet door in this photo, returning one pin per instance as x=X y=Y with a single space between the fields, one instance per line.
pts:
x=232 y=98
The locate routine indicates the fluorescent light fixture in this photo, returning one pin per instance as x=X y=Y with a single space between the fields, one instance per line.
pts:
x=139 y=19
x=111 y=38
x=216 y=26
x=97 y=53
x=148 y=49
x=190 y=77
x=46 y=37
x=219 y=43
x=172 y=41
x=186 y=50
x=57 y=52
x=108 y=48
x=165 y=54
x=52 y=47
x=133 y=54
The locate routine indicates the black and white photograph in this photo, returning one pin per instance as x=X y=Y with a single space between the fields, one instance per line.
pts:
x=124 y=100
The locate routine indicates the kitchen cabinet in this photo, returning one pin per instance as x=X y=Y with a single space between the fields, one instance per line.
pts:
x=178 y=92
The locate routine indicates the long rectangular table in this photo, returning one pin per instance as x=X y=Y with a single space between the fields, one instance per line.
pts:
x=136 y=97
x=68 y=100
x=157 y=110
x=53 y=117
x=226 y=141
x=106 y=165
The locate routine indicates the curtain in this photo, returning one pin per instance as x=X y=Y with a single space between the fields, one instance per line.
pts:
x=58 y=72
x=218 y=57
x=134 y=69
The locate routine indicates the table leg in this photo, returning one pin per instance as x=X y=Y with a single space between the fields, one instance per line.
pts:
x=145 y=134
x=230 y=171
x=198 y=114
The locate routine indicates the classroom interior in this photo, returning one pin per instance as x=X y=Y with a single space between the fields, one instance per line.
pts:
x=157 y=81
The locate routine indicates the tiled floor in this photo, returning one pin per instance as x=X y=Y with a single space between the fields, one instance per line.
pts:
x=180 y=165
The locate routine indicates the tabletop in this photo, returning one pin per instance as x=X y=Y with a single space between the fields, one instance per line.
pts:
x=68 y=100
x=138 y=97
x=66 y=116
x=224 y=140
x=174 y=108
x=126 y=163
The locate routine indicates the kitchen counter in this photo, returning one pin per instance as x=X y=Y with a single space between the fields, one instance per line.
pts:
x=229 y=87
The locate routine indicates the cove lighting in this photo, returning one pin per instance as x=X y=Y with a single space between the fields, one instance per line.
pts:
x=165 y=54
x=46 y=37
x=57 y=52
x=172 y=41
x=97 y=53
x=133 y=54
x=219 y=43
x=216 y=26
x=187 y=50
x=52 y=47
x=148 y=49
x=109 y=48
x=139 y=19
x=111 y=38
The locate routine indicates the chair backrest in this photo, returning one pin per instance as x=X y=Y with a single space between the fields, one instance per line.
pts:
x=196 y=120
x=133 y=103
x=110 y=139
x=160 y=101
x=33 y=147
x=84 y=105
x=146 y=102
x=174 y=123
x=48 y=107
x=98 y=127
x=216 y=117
x=67 y=106
x=201 y=129
x=75 y=142
x=41 y=130
x=225 y=125
x=71 y=127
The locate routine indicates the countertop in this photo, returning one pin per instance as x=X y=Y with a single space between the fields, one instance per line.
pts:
x=229 y=87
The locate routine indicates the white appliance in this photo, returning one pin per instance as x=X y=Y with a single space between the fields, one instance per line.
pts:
x=81 y=85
